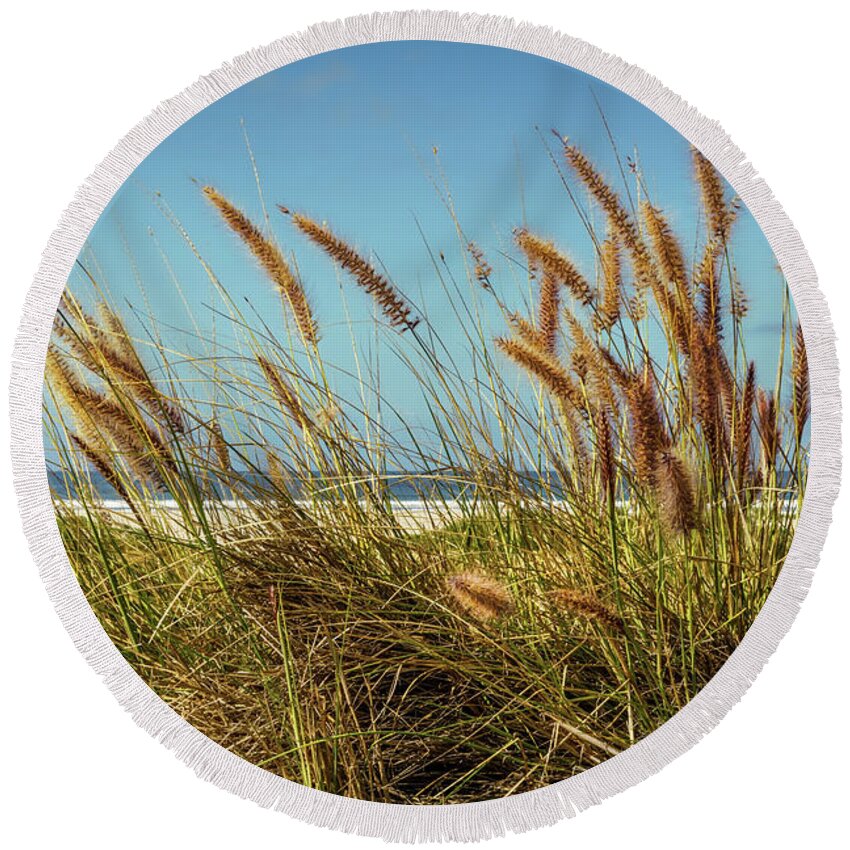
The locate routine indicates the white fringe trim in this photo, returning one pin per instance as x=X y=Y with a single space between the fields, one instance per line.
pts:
x=470 y=821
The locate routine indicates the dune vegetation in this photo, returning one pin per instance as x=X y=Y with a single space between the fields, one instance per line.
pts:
x=600 y=518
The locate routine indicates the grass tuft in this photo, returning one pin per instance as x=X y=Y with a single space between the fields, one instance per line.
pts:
x=597 y=509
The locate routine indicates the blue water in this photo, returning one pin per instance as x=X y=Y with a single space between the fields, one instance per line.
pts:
x=401 y=487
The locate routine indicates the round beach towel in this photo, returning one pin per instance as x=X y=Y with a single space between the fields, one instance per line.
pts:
x=423 y=425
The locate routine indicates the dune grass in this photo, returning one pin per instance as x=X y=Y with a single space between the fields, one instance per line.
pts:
x=602 y=518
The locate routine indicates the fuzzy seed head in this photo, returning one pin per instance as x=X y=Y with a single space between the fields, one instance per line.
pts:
x=482 y=596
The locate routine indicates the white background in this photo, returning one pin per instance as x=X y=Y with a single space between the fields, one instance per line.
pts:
x=76 y=77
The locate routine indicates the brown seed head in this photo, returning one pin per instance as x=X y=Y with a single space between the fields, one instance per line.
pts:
x=708 y=284
x=482 y=596
x=271 y=260
x=706 y=376
x=587 y=607
x=649 y=436
x=719 y=214
x=605 y=455
x=284 y=393
x=800 y=378
x=675 y=492
x=525 y=330
x=103 y=420
x=619 y=220
x=397 y=311
x=276 y=472
x=109 y=352
x=545 y=368
x=768 y=427
x=548 y=315
x=612 y=285
x=102 y=464
x=220 y=447
x=594 y=367
x=668 y=251
x=744 y=427
x=482 y=269
x=676 y=305
x=543 y=255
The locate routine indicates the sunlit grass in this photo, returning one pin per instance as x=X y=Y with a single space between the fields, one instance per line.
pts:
x=600 y=519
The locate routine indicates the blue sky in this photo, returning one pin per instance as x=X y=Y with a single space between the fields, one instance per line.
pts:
x=347 y=137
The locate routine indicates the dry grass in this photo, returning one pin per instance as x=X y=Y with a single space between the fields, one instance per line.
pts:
x=603 y=517
x=392 y=304
x=483 y=597
x=271 y=260
x=587 y=607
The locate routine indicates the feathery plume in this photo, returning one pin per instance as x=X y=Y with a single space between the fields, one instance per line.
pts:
x=588 y=608
x=109 y=353
x=284 y=392
x=671 y=260
x=619 y=219
x=547 y=317
x=577 y=443
x=271 y=260
x=328 y=413
x=706 y=385
x=85 y=342
x=719 y=215
x=675 y=493
x=483 y=597
x=137 y=443
x=744 y=426
x=612 y=284
x=739 y=304
x=676 y=306
x=102 y=465
x=545 y=368
x=120 y=339
x=649 y=436
x=800 y=378
x=392 y=304
x=482 y=269
x=99 y=418
x=275 y=472
x=578 y=362
x=100 y=462
x=525 y=330
x=543 y=255
x=728 y=390
x=768 y=427
x=594 y=370
x=620 y=375
x=148 y=395
x=219 y=446
x=708 y=284
x=636 y=305
x=605 y=454
x=62 y=378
